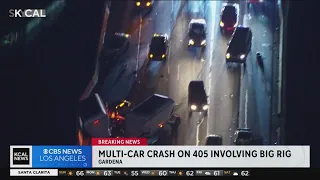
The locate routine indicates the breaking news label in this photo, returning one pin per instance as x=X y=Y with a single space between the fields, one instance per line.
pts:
x=135 y=153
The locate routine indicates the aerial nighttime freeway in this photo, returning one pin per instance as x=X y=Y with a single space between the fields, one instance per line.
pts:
x=187 y=71
x=177 y=72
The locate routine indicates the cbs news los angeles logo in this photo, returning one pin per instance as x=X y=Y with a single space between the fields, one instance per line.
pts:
x=20 y=156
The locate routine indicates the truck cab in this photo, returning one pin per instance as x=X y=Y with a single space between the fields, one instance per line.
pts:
x=149 y=117
x=93 y=120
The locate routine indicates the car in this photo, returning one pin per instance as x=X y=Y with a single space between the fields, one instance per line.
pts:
x=213 y=139
x=239 y=45
x=243 y=136
x=197 y=32
x=144 y=4
x=197 y=98
x=229 y=18
x=118 y=44
x=158 y=48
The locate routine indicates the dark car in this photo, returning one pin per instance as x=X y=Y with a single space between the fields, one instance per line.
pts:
x=243 y=136
x=213 y=139
x=118 y=44
x=239 y=45
x=197 y=33
x=229 y=18
x=158 y=48
x=197 y=98
x=144 y=4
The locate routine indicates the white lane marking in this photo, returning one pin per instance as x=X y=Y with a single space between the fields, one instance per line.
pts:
x=197 y=136
x=139 y=42
x=198 y=131
x=178 y=72
x=168 y=60
x=246 y=110
x=213 y=21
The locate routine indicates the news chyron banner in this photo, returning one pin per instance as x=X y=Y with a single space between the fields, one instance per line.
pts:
x=135 y=153
x=50 y=156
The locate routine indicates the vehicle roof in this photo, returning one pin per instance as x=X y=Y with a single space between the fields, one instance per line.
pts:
x=239 y=36
x=196 y=89
x=230 y=4
x=244 y=132
x=158 y=41
x=152 y=105
x=242 y=29
x=214 y=135
x=229 y=8
x=198 y=21
x=196 y=84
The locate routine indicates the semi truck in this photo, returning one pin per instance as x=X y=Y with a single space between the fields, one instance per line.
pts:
x=146 y=120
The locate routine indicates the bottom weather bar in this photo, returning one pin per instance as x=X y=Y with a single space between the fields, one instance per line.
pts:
x=123 y=172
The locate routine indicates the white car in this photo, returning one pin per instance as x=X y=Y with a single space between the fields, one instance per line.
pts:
x=197 y=32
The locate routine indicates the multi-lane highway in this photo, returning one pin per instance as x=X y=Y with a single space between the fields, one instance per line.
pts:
x=238 y=96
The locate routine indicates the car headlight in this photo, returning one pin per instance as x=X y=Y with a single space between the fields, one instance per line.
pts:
x=148 y=3
x=221 y=24
x=151 y=55
x=228 y=55
x=242 y=56
x=193 y=107
x=236 y=24
x=191 y=42
x=203 y=42
x=205 y=107
x=138 y=3
x=163 y=56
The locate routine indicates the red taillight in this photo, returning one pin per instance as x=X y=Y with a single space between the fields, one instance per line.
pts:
x=96 y=122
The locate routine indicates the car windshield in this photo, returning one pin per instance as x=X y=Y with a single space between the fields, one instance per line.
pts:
x=213 y=141
x=229 y=14
x=157 y=44
x=197 y=28
x=244 y=135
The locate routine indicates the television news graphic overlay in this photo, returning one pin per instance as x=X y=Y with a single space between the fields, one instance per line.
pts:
x=148 y=172
x=119 y=141
x=56 y=157
x=20 y=156
x=33 y=172
x=200 y=156
x=27 y=13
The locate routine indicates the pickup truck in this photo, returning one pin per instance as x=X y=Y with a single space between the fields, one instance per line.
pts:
x=153 y=113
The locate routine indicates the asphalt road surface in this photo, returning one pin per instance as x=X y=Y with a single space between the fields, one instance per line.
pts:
x=118 y=85
x=256 y=84
x=223 y=85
